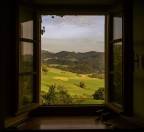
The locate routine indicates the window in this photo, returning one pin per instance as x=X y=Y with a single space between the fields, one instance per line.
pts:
x=117 y=45
x=72 y=60
x=26 y=60
x=119 y=61
x=115 y=61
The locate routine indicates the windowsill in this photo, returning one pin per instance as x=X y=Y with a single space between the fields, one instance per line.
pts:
x=67 y=110
x=73 y=118
x=73 y=123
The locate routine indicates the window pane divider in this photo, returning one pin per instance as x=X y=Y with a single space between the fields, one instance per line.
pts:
x=26 y=73
x=113 y=72
x=116 y=40
x=27 y=40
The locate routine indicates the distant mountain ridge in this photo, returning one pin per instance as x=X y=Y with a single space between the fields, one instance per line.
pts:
x=91 y=60
x=45 y=51
x=63 y=53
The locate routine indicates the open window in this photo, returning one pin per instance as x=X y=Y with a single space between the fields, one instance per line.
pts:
x=119 y=60
x=27 y=72
x=115 y=61
x=117 y=48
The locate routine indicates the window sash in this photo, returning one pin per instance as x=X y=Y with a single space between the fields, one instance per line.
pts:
x=27 y=88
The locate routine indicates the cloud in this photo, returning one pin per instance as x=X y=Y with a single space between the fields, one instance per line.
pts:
x=73 y=33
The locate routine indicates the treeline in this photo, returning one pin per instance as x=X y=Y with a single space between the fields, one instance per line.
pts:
x=80 y=63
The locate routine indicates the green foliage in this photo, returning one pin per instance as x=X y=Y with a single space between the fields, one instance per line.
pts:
x=64 y=97
x=82 y=84
x=100 y=76
x=44 y=68
x=99 y=94
x=57 y=96
x=93 y=75
x=79 y=63
x=97 y=75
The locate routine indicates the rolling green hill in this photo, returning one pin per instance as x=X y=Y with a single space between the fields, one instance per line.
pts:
x=71 y=82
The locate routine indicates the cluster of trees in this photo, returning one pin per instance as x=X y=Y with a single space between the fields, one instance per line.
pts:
x=80 y=63
x=78 y=68
x=97 y=75
x=56 y=95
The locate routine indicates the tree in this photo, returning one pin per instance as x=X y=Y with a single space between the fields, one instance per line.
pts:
x=57 y=95
x=99 y=94
x=64 y=97
x=50 y=97
x=82 y=84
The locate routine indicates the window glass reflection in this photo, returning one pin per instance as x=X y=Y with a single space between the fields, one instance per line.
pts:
x=116 y=86
x=26 y=23
x=25 y=57
x=25 y=89
x=117 y=26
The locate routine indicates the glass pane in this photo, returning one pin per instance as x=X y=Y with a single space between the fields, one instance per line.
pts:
x=26 y=29
x=117 y=57
x=26 y=24
x=25 y=57
x=25 y=89
x=116 y=92
x=117 y=26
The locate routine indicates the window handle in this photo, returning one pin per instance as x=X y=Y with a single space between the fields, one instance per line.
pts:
x=137 y=60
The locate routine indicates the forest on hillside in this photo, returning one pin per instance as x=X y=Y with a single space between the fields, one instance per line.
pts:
x=80 y=63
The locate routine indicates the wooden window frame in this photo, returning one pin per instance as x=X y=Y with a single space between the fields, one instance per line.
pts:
x=127 y=58
x=73 y=109
x=109 y=44
x=95 y=10
x=35 y=74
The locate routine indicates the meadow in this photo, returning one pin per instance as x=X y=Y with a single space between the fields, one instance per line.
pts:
x=71 y=82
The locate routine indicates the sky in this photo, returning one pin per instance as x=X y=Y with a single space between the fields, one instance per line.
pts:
x=73 y=33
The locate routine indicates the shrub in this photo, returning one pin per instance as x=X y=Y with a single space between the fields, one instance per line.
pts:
x=99 y=94
x=44 y=69
x=94 y=75
x=82 y=84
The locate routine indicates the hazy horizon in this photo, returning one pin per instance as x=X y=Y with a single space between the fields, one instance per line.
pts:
x=73 y=51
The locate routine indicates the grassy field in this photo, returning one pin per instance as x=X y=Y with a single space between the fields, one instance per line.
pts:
x=70 y=82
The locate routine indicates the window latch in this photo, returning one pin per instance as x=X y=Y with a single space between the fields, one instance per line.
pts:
x=137 y=60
